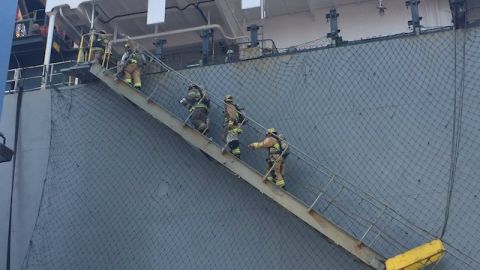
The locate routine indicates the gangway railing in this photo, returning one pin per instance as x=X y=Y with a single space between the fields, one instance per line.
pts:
x=32 y=78
x=86 y=48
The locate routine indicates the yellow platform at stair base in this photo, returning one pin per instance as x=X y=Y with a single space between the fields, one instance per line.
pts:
x=418 y=257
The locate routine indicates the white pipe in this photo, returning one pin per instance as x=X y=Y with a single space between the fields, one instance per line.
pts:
x=16 y=78
x=93 y=15
x=48 y=47
x=262 y=10
x=85 y=13
x=115 y=33
x=181 y=31
x=437 y=11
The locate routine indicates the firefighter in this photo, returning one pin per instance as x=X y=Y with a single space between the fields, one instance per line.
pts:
x=131 y=64
x=234 y=119
x=275 y=158
x=198 y=105
x=99 y=45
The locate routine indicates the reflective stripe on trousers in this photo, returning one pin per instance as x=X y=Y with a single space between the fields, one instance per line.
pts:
x=132 y=70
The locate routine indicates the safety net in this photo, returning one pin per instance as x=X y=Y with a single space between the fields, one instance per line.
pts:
x=383 y=137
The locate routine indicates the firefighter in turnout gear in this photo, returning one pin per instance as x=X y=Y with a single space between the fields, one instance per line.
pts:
x=99 y=45
x=131 y=64
x=234 y=119
x=275 y=158
x=198 y=105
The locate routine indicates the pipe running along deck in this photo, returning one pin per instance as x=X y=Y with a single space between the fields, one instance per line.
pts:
x=244 y=171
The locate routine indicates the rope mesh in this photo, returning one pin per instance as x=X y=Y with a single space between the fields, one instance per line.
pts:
x=125 y=192
x=373 y=144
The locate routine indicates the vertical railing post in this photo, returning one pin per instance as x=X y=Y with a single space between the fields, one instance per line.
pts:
x=51 y=73
x=16 y=78
x=373 y=224
x=321 y=193
x=90 y=45
x=332 y=200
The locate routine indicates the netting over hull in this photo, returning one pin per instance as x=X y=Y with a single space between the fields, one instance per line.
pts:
x=379 y=115
x=124 y=192
x=392 y=125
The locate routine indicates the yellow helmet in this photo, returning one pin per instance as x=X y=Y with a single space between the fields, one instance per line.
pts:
x=129 y=44
x=228 y=98
x=271 y=131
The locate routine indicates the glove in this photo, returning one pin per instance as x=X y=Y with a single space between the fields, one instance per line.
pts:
x=183 y=101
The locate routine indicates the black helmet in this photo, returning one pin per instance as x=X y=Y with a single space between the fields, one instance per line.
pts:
x=193 y=85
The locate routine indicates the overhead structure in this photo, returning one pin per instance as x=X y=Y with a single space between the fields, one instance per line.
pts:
x=228 y=15
x=181 y=31
x=51 y=8
x=52 y=4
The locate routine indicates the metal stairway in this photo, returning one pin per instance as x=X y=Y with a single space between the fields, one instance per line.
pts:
x=242 y=170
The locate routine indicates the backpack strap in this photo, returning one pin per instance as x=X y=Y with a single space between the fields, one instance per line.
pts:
x=277 y=138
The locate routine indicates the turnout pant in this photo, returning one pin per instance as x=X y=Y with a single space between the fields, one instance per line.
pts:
x=278 y=169
x=233 y=142
x=133 y=70
x=97 y=55
x=199 y=119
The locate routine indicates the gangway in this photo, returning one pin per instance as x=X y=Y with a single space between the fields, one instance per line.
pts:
x=242 y=170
